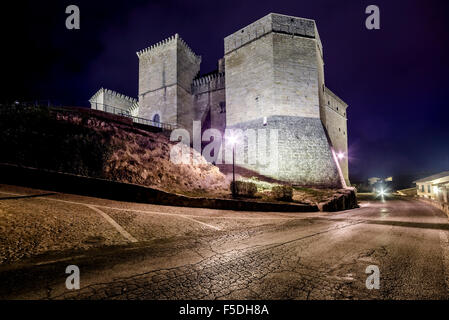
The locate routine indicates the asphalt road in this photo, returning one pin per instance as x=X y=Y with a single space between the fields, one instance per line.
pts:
x=241 y=255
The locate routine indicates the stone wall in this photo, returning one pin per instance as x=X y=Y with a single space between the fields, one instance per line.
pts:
x=265 y=77
x=275 y=73
x=157 y=81
x=343 y=199
x=304 y=154
x=209 y=96
x=188 y=66
x=321 y=80
x=249 y=80
x=295 y=77
x=166 y=72
x=161 y=102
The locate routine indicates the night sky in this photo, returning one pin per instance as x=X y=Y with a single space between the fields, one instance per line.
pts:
x=395 y=80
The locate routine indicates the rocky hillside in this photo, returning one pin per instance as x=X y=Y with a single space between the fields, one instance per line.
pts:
x=90 y=144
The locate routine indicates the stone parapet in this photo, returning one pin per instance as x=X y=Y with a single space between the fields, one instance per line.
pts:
x=161 y=44
x=272 y=23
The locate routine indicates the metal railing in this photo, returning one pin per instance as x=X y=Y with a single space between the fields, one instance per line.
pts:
x=126 y=113
x=163 y=126
x=109 y=109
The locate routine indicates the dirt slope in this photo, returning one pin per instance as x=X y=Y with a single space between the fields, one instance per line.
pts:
x=91 y=145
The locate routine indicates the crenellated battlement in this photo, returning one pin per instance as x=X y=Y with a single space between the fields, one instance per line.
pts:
x=134 y=109
x=157 y=45
x=210 y=82
x=114 y=94
x=167 y=41
x=190 y=52
x=208 y=78
x=272 y=22
x=95 y=96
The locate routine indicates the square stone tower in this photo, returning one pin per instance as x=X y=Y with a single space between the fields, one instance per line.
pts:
x=166 y=73
x=275 y=80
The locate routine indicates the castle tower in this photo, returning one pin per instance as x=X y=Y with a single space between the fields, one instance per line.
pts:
x=166 y=73
x=275 y=80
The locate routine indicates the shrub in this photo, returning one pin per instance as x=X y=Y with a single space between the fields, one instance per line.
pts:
x=244 y=189
x=261 y=185
x=282 y=193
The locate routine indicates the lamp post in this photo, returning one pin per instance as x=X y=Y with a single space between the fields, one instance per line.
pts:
x=232 y=141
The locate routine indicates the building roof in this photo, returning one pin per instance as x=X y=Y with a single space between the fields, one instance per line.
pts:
x=433 y=177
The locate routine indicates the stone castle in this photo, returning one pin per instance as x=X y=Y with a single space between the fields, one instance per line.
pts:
x=271 y=77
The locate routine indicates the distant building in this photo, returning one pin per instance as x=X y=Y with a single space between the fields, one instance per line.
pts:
x=435 y=187
x=380 y=184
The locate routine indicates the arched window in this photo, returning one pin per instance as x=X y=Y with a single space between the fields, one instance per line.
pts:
x=156 y=120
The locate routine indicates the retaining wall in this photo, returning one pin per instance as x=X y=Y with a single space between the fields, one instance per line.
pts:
x=70 y=183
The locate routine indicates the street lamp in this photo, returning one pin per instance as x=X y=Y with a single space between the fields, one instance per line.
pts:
x=232 y=140
x=340 y=155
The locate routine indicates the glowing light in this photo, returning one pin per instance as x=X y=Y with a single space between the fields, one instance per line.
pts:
x=340 y=155
x=435 y=189
x=232 y=139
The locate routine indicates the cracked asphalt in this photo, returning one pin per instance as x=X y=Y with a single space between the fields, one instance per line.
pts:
x=159 y=252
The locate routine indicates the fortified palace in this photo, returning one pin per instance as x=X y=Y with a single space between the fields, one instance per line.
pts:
x=271 y=77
